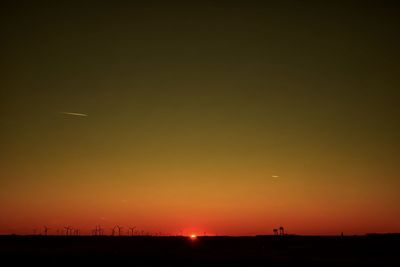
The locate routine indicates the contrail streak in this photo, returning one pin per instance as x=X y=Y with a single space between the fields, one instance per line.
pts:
x=74 y=114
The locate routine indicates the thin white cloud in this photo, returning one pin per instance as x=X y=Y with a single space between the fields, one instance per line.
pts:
x=74 y=114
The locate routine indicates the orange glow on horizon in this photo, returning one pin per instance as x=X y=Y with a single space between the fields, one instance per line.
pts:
x=186 y=122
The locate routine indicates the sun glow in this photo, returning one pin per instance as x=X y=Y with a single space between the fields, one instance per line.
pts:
x=193 y=236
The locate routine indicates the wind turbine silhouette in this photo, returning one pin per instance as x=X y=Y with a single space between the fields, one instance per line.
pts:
x=100 y=230
x=113 y=231
x=77 y=232
x=46 y=229
x=119 y=229
x=68 y=230
x=131 y=230
x=95 y=231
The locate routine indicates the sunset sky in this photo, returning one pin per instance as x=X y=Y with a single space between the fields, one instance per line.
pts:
x=224 y=117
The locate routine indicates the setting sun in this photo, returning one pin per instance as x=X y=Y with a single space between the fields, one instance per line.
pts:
x=193 y=236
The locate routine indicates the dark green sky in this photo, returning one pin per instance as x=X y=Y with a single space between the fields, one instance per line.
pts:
x=227 y=91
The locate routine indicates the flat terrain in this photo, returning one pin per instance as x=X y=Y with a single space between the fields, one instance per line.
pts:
x=372 y=250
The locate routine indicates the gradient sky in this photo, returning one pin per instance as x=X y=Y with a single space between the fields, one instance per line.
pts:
x=226 y=118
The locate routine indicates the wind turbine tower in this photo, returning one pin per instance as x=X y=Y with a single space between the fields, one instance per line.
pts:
x=131 y=229
x=46 y=230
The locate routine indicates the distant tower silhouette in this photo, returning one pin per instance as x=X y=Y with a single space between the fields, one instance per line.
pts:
x=275 y=232
x=281 y=231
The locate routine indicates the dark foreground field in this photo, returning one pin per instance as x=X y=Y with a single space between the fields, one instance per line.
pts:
x=377 y=250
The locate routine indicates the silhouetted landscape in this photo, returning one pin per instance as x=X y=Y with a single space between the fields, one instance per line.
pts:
x=369 y=250
x=196 y=133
